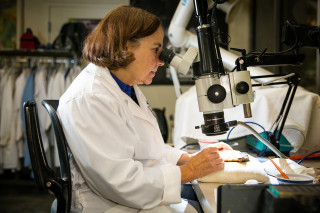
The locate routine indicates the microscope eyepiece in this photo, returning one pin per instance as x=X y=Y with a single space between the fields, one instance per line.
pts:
x=166 y=56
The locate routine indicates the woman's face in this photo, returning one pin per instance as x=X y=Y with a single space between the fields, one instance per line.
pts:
x=144 y=67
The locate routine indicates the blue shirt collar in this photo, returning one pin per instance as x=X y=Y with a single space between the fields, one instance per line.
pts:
x=124 y=87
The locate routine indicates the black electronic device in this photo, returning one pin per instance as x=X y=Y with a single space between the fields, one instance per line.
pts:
x=239 y=198
x=301 y=35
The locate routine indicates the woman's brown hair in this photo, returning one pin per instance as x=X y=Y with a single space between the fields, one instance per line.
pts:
x=105 y=46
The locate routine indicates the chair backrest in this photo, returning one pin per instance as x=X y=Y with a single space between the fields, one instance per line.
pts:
x=61 y=142
x=42 y=172
x=46 y=178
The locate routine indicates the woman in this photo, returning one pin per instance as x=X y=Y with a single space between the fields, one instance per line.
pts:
x=119 y=160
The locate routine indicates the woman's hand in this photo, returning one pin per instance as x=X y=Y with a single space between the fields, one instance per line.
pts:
x=184 y=159
x=186 y=156
x=202 y=164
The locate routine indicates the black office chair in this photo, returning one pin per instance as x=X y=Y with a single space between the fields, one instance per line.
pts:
x=46 y=178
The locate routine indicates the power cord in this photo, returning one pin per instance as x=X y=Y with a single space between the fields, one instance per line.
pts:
x=249 y=122
x=308 y=156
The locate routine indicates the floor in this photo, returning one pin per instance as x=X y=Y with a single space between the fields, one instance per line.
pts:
x=18 y=194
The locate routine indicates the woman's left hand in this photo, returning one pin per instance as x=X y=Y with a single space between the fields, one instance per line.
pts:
x=186 y=156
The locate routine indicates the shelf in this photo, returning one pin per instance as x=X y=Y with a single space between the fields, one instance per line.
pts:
x=39 y=53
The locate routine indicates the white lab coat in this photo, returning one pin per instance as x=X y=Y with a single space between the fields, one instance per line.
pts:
x=40 y=93
x=120 y=162
x=8 y=146
x=18 y=92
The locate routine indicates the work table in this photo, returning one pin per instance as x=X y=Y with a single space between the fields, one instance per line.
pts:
x=207 y=192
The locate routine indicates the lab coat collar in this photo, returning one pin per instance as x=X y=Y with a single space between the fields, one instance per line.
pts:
x=143 y=110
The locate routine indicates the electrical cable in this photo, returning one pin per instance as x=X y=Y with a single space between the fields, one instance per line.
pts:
x=262 y=154
x=248 y=122
x=234 y=69
x=227 y=141
x=308 y=156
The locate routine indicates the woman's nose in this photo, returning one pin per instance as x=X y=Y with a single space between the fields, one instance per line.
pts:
x=160 y=62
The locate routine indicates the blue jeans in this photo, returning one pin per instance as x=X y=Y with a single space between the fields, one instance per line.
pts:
x=188 y=194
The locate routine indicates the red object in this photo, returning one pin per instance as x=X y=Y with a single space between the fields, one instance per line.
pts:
x=299 y=157
x=28 y=41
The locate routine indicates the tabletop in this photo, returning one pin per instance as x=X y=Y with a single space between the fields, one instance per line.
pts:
x=207 y=192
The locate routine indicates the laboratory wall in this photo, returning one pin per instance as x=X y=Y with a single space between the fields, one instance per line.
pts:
x=46 y=17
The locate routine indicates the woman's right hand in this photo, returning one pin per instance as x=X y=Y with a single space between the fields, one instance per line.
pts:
x=202 y=164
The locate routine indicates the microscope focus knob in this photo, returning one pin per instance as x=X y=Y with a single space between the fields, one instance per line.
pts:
x=242 y=87
x=216 y=93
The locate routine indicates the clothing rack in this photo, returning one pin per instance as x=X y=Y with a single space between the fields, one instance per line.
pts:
x=54 y=56
x=30 y=75
x=39 y=53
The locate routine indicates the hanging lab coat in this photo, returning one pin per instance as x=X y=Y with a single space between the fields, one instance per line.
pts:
x=120 y=162
x=40 y=93
x=18 y=129
x=10 y=159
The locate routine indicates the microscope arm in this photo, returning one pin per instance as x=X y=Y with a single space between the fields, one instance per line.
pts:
x=253 y=60
x=179 y=36
x=292 y=80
